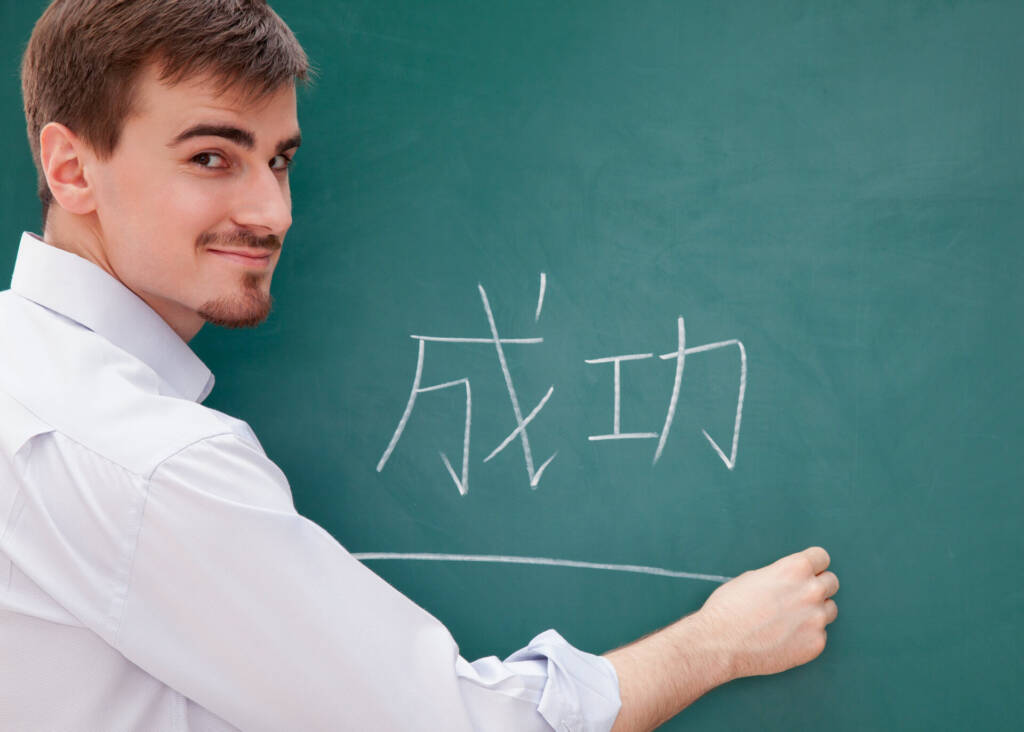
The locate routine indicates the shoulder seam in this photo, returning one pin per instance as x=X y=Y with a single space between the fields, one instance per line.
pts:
x=107 y=458
x=30 y=411
x=204 y=438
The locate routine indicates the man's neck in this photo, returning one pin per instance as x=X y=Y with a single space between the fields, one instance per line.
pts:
x=73 y=234
x=83 y=236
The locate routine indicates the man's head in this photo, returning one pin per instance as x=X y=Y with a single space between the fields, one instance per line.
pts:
x=162 y=131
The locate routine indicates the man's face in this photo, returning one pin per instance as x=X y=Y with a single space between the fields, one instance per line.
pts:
x=194 y=203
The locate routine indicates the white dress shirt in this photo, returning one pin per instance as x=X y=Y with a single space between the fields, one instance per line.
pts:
x=154 y=574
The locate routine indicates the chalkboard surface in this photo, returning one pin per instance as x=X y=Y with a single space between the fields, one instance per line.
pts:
x=817 y=205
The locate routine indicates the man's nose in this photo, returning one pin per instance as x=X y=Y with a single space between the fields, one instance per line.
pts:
x=264 y=204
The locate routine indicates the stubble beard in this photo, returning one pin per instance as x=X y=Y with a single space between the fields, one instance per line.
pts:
x=244 y=310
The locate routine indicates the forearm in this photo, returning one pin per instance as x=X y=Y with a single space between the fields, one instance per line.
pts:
x=663 y=673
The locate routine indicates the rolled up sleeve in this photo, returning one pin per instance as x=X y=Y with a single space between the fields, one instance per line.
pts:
x=571 y=691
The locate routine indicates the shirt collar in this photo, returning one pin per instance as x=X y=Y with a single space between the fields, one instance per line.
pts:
x=80 y=290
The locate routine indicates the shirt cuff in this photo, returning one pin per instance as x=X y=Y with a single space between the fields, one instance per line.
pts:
x=582 y=690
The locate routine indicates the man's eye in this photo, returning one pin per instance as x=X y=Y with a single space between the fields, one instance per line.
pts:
x=210 y=160
x=281 y=162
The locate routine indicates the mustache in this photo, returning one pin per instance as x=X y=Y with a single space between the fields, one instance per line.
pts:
x=244 y=238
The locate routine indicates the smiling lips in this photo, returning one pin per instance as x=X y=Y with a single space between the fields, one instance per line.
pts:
x=249 y=258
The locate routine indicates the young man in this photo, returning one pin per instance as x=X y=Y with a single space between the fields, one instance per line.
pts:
x=154 y=574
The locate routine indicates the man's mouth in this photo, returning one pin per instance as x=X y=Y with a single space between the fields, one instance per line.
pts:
x=249 y=257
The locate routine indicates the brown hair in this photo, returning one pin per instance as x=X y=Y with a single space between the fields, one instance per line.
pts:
x=84 y=57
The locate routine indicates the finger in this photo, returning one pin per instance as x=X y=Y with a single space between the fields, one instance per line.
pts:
x=818 y=557
x=831 y=611
x=829 y=583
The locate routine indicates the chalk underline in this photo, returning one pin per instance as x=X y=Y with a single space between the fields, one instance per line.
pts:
x=546 y=561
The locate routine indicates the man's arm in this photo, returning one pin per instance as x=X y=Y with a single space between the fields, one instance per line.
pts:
x=258 y=615
x=762 y=622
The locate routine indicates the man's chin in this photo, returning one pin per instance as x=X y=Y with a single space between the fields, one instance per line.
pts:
x=243 y=311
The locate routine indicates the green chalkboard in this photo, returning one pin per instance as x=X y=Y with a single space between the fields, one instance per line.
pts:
x=837 y=186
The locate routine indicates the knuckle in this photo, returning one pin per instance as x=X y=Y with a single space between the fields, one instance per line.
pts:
x=795 y=565
x=820 y=640
x=813 y=593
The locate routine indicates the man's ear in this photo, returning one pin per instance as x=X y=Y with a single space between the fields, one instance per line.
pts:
x=64 y=157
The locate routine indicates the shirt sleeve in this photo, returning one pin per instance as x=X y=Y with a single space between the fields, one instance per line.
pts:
x=259 y=615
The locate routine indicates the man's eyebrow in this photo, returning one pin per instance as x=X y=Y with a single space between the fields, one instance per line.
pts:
x=293 y=141
x=235 y=134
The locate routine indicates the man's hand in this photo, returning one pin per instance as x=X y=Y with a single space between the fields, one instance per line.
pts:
x=774 y=618
x=762 y=622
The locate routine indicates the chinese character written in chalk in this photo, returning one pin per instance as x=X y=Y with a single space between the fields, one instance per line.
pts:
x=462 y=481
x=680 y=358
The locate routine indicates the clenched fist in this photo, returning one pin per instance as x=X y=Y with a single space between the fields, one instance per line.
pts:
x=774 y=618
